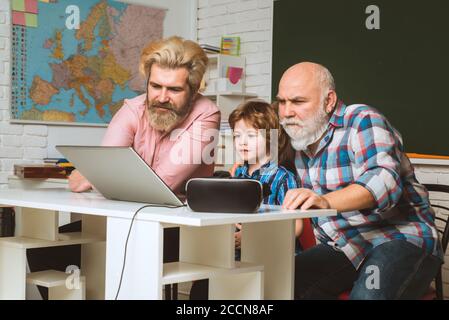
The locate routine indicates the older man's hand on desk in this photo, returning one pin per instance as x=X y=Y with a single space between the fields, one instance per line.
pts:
x=304 y=199
x=77 y=182
x=350 y=198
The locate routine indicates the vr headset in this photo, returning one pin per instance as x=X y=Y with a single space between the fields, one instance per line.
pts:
x=225 y=195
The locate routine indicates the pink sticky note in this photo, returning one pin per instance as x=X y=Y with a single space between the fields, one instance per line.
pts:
x=31 y=6
x=18 y=18
x=234 y=74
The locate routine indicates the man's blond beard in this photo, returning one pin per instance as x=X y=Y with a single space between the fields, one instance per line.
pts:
x=308 y=132
x=168 y=120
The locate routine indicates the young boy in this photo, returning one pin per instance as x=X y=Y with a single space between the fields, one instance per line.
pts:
x=252 y=124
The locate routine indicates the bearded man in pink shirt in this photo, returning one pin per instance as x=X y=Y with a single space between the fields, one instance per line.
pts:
x=172 y=127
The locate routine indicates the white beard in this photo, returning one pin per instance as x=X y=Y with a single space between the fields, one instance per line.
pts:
x=306 y=132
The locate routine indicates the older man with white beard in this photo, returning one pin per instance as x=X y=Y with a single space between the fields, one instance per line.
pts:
x=383 y=243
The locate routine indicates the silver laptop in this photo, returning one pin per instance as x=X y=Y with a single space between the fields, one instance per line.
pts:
x=119 y=173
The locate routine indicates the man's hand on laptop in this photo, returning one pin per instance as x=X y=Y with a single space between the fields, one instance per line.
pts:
x=77 y=182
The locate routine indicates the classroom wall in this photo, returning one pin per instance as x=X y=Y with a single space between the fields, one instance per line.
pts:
x=31 y=143
x=249 y=19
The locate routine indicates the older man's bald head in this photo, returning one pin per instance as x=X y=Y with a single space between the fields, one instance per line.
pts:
x=308 y=82
x=309 y=72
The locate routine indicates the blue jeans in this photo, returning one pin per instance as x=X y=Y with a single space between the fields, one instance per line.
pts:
x=394 y=270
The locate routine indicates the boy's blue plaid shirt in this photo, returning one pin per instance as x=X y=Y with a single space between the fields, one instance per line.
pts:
x=276 y=177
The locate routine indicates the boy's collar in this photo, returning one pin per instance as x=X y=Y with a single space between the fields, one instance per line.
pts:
x=270 y=165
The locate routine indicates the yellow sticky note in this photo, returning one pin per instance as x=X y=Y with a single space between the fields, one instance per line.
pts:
x=18 y=5
x=31 y=20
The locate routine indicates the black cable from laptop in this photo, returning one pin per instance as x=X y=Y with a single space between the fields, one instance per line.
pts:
x=129 y=233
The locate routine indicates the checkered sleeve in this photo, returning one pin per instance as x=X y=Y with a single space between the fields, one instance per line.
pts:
x=238 y=172
x=288 y=181
x=377 y=158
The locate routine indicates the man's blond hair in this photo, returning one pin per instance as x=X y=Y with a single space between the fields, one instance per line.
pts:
x=173 y=53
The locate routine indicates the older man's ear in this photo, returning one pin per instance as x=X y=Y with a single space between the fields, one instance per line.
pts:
x=331 y=101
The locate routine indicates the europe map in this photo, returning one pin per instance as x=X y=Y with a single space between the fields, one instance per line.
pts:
x=80 y=75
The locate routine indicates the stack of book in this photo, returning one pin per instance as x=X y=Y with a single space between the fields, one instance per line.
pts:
x=230 y=45
x=56 y=168
x=210 y=49
x=66 y=165
x=52 y=160
x=39 y=171
x=62 y=163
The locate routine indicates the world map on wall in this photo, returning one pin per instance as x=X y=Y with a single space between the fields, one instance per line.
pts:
x=69 y=75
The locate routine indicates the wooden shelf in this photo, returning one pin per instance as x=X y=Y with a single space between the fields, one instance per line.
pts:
x=176 y=272
x=213 y=56
x=434 y=162
x=65 y=239
x=48 y=278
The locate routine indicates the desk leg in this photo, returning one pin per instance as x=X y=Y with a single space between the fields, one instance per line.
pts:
x=12 y=273
x=37 y=223
x=93 y=257
x=272 y=244
x=142 y=278
x=214 y=246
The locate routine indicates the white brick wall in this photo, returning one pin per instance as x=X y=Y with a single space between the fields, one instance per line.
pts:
x=18 y=143
x=36 y=130
x=249 y=19
x=438 y=175
x=12 y=141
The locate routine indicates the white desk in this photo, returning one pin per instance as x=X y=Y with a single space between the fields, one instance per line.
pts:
x=206 y=246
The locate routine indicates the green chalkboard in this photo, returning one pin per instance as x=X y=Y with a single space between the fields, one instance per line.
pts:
x=402 y=69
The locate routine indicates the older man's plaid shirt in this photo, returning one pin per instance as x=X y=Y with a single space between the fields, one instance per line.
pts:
x=361 y=147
